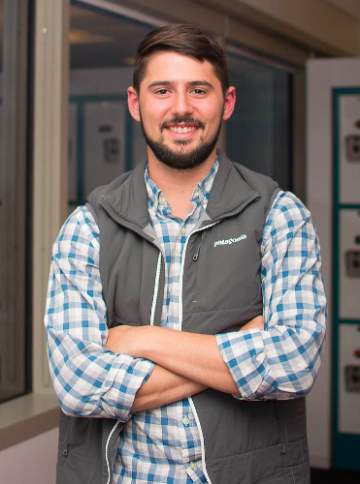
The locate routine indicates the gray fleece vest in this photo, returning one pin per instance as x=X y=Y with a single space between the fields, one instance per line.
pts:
x=244 y=442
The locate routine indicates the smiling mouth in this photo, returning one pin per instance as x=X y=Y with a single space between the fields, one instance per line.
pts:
x=182 y=129
x=183 y=126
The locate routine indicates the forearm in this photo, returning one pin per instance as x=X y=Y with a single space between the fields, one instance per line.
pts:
x=93 y=382
x=162 y=388
x=279 y=363
x=193 y=356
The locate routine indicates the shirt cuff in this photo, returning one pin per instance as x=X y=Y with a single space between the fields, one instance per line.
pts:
x=123 y=381
x=244 y=355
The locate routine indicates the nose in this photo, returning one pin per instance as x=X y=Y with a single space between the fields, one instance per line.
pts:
x=181 y=104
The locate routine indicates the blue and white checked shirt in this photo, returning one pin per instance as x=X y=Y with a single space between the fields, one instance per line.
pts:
x=280 y=362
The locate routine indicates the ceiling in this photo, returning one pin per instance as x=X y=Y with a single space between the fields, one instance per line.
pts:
x=108 y=40
x=351 y=7
x=98 y=39
x=103 y=40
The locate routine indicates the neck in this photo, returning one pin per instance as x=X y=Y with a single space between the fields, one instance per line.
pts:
x=178 y=185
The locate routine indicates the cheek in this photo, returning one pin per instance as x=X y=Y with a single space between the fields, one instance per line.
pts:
x=211 y=114
x=153 y=109
x=212 y=122
x=151 y=124
x=153 y=120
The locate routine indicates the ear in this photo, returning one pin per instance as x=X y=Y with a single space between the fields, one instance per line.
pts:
x=229 y=104
x=133 y=103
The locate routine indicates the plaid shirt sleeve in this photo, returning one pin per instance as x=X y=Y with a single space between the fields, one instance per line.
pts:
x=88 y=379
x=281 y=361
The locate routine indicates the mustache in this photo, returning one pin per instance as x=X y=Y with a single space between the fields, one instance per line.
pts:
x=178 y=120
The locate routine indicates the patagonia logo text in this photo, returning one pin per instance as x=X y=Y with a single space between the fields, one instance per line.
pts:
x=229 y=241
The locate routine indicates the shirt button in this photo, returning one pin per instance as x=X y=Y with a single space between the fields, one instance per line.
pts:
x=182 y=230
x=192 y=465
x=162 y=199
x=185 y=421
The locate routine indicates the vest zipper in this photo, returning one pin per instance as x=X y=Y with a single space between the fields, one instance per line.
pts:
x=181 y=319
x=197 y=253
x=107 y=450
x=156 y=290
x=195 y=259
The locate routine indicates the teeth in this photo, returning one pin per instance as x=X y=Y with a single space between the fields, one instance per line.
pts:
x=182 y=130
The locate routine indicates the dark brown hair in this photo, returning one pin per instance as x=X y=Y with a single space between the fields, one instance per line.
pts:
x=184 y=39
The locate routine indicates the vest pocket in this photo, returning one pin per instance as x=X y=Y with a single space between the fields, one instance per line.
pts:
x=234 y=427
x=262 y=466
x=227 y=276
x=79 y=469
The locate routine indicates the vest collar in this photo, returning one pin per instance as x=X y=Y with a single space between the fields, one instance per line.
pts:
x=129 y=200
x=229 y=194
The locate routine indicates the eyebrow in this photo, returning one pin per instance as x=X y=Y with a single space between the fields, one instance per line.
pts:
x=171 y=83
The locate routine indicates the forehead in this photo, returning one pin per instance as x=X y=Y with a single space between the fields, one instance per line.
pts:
x=171 y=66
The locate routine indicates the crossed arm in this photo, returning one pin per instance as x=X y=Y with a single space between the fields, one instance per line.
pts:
x=93 y=374
x=186 y=363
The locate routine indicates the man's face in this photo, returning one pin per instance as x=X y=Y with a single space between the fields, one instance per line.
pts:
x=181 y=107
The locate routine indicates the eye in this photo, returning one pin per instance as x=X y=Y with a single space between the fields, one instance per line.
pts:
x=198 y=91
x=162 y=92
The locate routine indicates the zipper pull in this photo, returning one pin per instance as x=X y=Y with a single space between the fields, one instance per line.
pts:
x=196 y=255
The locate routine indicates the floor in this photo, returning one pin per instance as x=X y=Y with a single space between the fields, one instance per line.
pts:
x=319 y=476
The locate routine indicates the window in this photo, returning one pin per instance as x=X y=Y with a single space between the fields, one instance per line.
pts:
x=14 y=314
x=104 y=140
x=258 y=135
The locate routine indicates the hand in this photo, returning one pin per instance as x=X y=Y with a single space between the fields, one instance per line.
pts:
x=123 y=339
x=257 y=322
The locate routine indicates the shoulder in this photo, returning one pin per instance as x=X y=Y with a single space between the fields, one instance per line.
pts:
x=129 y=182
x=287 y=206
x=99 y=192
x=79 y=229
x=288 y=217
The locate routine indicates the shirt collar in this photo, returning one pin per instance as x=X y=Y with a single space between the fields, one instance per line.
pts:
x=157 y=200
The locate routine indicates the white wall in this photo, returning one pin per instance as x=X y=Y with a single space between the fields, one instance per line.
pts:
x=31 y=462
x=322 y=77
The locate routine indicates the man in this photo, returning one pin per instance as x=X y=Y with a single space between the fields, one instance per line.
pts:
x=157 y=291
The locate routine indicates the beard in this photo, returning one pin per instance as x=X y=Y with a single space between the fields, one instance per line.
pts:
x=177 y=159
